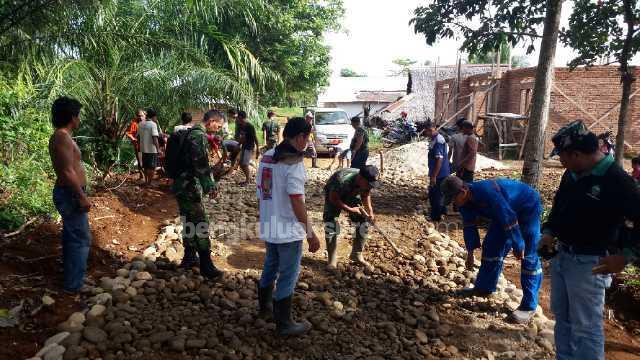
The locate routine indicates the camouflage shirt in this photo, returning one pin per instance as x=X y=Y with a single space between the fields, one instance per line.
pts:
x=344 y=183
x=198 y=155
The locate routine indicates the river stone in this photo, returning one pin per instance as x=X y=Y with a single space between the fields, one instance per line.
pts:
x=57 y=338
x=196 y=343
x=103 y=299
x=75 y=352
x=143 y=275
x=161 y=337
x=122 y=273
x=94 y=334
x=45 y=350
x=138 y=265
x=96 y=311
x=54 y=353
x=177 y=344
x=77 y=318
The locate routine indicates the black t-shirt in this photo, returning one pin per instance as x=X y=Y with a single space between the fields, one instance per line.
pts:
x=588 y=212
x=248 y=135
x=365 y=139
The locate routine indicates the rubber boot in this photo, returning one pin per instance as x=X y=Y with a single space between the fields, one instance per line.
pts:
x=207 y=269
x=332 y=247
x=314 y=162
x=359 y=258
x=358 y=245
x=285 y=326
x=265 y=301
x=190 y=258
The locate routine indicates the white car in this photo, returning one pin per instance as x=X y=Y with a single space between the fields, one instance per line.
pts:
x=332 y=129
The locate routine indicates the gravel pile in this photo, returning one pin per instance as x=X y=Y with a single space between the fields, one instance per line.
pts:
x=410 y=161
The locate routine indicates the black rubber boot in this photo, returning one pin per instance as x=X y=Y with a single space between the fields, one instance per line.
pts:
x=285 y=326
x=190 y=258
x=207 y=269
x=265 y=301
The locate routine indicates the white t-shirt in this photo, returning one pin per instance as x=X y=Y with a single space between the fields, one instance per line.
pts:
x=146 y=131
x=181 y=127
x=276 y=184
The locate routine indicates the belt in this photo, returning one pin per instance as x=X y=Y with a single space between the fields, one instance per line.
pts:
x=583 y=249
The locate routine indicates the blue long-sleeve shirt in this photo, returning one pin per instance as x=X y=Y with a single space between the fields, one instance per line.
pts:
x=503 y=201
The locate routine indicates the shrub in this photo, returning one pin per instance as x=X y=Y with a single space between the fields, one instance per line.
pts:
x=26 y=175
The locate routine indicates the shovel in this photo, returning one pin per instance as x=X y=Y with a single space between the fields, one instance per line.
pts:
x=384 y=235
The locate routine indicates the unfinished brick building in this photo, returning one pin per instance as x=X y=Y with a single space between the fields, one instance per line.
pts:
x=592 y=94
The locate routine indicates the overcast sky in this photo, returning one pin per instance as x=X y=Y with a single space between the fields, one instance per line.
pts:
x=378 y=31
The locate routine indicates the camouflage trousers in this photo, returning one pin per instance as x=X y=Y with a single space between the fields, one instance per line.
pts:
x=195 y=229
x=332 y=228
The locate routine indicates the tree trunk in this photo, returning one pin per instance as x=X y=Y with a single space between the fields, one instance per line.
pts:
x=534 y=144
x=623 y=117
x=627 y=77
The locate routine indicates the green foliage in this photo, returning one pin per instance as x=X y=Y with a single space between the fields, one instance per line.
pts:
x=482 y=25
x=375 y=140
x=346 y=72
x=404 y=64
x=118 y=55
x=597 y=30
x=26 y=176
x=288 y=112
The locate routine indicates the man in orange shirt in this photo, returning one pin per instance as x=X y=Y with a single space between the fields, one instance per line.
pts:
x=132 y=134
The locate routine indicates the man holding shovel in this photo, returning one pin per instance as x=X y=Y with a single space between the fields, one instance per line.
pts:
x=514 y=209
x=348 y=190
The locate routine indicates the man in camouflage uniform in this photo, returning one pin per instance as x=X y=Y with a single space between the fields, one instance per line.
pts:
x=195 y=181
x=271 y=131
x=349 y=190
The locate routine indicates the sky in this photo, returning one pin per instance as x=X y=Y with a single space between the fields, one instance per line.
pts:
x=378 y=31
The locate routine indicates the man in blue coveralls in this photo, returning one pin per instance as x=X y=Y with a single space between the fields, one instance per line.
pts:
x=514 y=209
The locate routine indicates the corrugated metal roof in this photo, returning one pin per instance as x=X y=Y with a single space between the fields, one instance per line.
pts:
x=347 y=89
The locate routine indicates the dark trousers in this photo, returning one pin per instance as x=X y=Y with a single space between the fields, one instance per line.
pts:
x=435 y=200
x=359 y=159
x=465 y=175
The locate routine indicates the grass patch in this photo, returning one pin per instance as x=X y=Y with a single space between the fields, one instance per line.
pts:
x=288 y=112
x=375 y=141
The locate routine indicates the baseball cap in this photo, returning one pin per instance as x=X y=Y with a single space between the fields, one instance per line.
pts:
x=308 y=114
x=450 y=187
x=569 y=136
x=372 y=175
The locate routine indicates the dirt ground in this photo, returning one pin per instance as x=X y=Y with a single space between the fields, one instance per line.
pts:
x=122 y=221
x=127 y=219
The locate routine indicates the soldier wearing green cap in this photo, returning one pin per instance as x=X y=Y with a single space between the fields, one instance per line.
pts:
x=591 y=209
x=349 y=190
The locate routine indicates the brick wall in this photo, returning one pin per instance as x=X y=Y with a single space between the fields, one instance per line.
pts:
x=587 y=94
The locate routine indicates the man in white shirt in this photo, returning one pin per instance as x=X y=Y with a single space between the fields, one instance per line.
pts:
x=284 y=225
x=185 y=122
x=149 y=146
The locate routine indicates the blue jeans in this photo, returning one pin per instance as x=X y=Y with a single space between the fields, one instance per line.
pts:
x=577 y=301
x=282 y=263
x=76 y=237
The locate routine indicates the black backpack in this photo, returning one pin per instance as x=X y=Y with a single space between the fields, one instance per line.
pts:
x=176 y=161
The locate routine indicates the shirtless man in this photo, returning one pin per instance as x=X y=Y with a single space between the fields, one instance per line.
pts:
x=69 y=194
